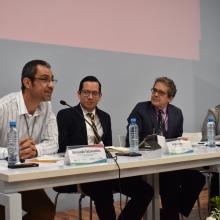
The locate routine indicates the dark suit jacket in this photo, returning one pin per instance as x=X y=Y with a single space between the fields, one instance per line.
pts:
x=146 y=117
x=72 y=127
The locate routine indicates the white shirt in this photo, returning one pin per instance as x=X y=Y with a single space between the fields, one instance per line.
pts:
x=90 y=133
x=42 y=125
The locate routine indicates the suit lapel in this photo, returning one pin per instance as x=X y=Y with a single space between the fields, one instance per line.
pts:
x=153 y=117
x=171 y=119
x=82 y=122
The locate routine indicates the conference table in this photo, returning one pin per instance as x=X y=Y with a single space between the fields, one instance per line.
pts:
x=47 y=175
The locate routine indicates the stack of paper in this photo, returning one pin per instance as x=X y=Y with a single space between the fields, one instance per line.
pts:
x=179 y=147
x=117 y=149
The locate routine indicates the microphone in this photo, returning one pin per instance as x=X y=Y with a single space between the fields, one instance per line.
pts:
x=150 y=143
x=108 y=154
x=62 y=102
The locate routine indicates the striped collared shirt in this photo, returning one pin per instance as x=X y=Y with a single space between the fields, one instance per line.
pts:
x=165 y=118
x=41 y=126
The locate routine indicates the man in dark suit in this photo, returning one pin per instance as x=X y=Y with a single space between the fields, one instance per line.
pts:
x=73 y=130
x=178 y=189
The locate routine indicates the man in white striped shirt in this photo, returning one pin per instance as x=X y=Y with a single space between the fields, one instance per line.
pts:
x=37 y=129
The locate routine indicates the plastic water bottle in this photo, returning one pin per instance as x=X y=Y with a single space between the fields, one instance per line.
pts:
x=211 y=132
x=133 y=135
x=13 y=145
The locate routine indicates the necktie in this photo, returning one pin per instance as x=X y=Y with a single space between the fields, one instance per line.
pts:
x=94 y=128
x=160 y=123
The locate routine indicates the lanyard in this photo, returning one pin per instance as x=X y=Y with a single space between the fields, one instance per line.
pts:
x=28 y=128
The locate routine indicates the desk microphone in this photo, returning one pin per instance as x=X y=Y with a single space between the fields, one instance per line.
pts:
x=108 y=154
x=62 y=102
x=150 y=142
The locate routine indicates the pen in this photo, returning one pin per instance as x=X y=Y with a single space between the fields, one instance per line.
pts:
x=43 y=161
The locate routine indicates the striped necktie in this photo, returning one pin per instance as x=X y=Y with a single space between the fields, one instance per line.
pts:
x=97 y=138
x=160 y=123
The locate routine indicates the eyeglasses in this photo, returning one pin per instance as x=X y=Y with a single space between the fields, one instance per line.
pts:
x=46 y=80
x=158 y=91
x=87 y=93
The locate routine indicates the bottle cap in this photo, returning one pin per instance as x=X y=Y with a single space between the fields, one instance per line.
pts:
x=133 y=120
x=12 y=123
x=210 y=119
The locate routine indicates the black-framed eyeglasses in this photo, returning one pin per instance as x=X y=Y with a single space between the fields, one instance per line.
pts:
x=158 y=91
x=46 y=80
x=87 y=93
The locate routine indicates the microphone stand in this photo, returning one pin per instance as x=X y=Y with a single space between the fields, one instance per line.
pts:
x=151 y=142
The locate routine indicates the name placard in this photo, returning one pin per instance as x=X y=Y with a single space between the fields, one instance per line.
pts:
x=85 y=154
x=179 y=147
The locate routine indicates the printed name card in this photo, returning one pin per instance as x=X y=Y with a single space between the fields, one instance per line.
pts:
x=179 y=147
x=85 y=154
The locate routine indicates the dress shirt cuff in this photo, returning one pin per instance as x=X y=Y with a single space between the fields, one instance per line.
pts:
x=39 y=150
x=3 y=152
x=46 y=148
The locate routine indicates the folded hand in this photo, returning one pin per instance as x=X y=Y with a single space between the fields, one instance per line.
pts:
x=27 y=148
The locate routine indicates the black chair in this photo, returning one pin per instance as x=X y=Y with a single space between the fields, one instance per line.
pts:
x=73 y=189
x=208 y=172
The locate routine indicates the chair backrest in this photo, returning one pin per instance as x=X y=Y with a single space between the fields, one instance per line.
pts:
x=122 y=140
x=193 y=136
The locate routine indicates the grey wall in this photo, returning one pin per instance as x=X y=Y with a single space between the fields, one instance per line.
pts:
x=126 y=78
